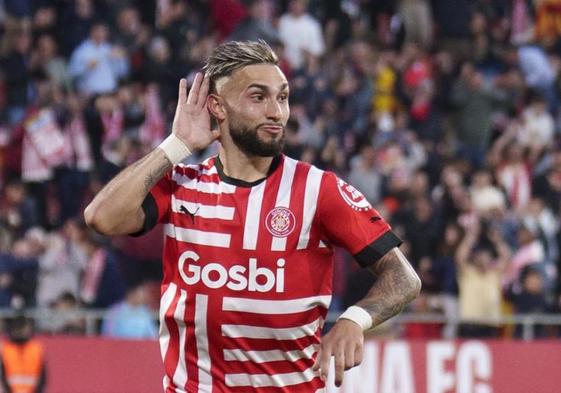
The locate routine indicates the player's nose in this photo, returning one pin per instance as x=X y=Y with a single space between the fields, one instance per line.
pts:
x=274 y=110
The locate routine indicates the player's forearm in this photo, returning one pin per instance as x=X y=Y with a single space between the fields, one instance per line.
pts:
x=396 y=286
x=117 y=208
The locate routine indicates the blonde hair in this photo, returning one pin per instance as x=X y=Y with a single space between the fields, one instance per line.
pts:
x=233 y=55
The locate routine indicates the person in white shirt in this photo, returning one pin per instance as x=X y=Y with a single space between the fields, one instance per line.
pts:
x=97 y=65
x=301 y=34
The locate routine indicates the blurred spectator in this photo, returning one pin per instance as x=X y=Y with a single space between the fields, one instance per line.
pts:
x=257 y=24
x=132 y=36
x=530 y=299
x=18 y=270
x=43 y=146
x=47 y=59
x=512 y=171
x=65 y=319
x=15 y=67
x=539 y=73
x=18 y=211
x=536 y=129
x=130 y=318
x=363 y=174
x=547 y=185
x=75 y=25
x=421 y=226
x=479 y=280
x=62 y=264
x=301 y=34
x=102 y=283
x=485 y=196
x=97 y=64
x=548 y=17
x=445 y=272
x=227 y=14
x=530 y=252
x=416 y=16
x=160 y=68
x=474 y=103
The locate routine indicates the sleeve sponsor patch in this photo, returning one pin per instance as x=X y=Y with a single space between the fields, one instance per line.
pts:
x=354 y=198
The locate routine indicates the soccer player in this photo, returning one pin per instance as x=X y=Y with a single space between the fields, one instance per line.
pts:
x=249 y=237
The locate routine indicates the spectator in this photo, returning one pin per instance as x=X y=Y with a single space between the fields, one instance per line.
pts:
x=130 y=318
x=76 y=22
x=62 y=264
x=18 y=211
x=485 y=196
x=538 y=72
x=364 y=175
x=474 y=103
x=132 y=36
x=416 y=16
x=531 y=299
x=257 y=24
x=66 y=318
x=47 y=59
x=15 y=67
x=530 y=252
x=96 y=64
x=479 y=280
x=301 y=34
x=536 y=130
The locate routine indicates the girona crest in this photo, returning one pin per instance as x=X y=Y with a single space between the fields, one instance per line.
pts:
x=280 y=222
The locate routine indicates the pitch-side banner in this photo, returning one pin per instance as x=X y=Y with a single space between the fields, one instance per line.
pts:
x=97 y=365
x=455 y=366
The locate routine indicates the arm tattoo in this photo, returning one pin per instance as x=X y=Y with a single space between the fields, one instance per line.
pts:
x=396 y=285
x=153 y=177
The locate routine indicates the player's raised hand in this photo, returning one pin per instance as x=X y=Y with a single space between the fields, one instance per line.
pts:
x=344 y=342
x=192 y=123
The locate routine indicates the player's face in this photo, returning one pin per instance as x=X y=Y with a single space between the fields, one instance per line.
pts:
x=256 y=104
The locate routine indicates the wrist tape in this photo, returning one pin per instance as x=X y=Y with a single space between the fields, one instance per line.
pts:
x=175 y=149
x=358 y=315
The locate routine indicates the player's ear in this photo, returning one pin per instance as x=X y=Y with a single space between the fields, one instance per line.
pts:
x=216 y=107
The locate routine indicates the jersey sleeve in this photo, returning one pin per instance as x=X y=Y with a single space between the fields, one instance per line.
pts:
x=349 y=221
x=156 y=205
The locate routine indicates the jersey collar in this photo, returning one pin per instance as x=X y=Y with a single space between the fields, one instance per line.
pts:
x=241 y=183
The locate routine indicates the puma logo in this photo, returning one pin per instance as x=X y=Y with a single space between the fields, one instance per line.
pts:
x=184 y=210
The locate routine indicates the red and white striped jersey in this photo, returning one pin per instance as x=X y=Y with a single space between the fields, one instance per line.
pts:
x=248 y=272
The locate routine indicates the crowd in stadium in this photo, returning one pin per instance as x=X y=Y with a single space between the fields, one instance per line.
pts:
x=443 y=113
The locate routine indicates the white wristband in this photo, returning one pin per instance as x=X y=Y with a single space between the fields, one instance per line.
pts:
x=358 y=315
x=175 y=149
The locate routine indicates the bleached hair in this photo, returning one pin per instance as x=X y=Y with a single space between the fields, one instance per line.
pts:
x=233 y=55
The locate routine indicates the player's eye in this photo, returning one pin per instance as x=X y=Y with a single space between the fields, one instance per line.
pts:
x=283 y=97
x=258 y=97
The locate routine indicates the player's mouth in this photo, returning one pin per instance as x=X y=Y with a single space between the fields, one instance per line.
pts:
x=272 y=128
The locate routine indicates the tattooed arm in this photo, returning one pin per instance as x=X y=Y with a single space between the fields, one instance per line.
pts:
x=117 y=208
x=396 y=285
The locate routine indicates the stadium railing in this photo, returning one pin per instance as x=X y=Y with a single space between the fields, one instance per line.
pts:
x=93 y=318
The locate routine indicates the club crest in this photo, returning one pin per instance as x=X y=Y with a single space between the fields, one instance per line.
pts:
x=280 y=222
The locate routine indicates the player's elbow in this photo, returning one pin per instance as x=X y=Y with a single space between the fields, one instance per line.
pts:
x=415 y=285
x=96 y=219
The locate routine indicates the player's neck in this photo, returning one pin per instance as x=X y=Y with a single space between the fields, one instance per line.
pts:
x=239 y=166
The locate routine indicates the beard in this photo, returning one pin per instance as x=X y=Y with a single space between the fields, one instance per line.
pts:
x=248 y=141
